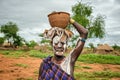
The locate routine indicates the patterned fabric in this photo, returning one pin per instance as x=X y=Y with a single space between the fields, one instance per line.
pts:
x=51 y=71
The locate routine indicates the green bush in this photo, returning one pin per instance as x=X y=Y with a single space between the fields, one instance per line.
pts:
x=116 y=47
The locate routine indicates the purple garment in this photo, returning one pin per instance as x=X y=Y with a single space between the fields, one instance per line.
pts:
x=51 y=71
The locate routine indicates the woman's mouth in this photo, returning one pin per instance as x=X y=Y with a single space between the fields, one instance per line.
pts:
x=59 y=53
x=59 y=50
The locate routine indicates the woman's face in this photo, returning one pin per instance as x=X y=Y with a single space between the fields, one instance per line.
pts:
x=59 y=45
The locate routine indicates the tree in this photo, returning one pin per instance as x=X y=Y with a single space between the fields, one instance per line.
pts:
x=10 y=30
x=116 y=47
x=82 y=13
x=17 y=40
x=31 y=44
x=92 y=46
x=1 y=40
x=43 y=40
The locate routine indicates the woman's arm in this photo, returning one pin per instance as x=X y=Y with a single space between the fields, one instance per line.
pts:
x=80 y=44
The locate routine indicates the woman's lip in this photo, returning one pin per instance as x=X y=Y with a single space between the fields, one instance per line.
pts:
x=59 y=53
x=59 y=49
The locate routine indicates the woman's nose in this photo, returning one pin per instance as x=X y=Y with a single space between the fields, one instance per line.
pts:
x=59 y=44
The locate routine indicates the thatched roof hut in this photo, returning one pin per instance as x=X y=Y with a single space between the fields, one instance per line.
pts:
x=104 y=48
x=6 y=44
x=37 y=47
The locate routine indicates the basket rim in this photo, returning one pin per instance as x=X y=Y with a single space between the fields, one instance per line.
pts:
x=58 y=12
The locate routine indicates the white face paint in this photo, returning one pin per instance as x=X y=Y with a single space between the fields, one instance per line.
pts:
x=56 y=40
x=59 y=46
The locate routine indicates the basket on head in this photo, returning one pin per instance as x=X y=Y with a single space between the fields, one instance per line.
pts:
x=59 y=19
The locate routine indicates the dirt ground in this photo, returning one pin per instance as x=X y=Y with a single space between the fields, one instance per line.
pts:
x=26 y=68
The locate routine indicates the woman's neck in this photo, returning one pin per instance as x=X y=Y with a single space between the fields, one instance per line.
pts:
x=58 y=59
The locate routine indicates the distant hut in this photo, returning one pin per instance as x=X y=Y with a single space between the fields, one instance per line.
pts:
x=25 y=47
x=6 y=44
x=104 y=48
x=37 y=47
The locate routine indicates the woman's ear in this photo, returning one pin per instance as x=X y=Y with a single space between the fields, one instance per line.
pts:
x=68 y=33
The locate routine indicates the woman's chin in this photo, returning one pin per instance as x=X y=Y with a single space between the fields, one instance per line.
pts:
x=59 y=53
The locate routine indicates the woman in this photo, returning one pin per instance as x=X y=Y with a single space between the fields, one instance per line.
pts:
x=60 y=67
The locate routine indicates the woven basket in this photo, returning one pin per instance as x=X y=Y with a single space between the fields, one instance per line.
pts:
x=59 y=19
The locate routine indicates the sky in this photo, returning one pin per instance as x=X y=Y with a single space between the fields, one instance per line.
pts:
x=31 y=16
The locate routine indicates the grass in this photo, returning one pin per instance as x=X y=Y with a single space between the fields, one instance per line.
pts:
x=86 y=67
x=38 y=54
x=108 y=74
x=22 y=65
x=100 y=75
x=14 y=54
x=87 y=58
x=98 y=58
x=82 y=67
x=36 y=72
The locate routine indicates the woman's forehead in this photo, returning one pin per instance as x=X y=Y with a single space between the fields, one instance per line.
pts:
x=57 y=39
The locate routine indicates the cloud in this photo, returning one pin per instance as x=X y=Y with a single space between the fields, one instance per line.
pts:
x=31 y=16
x=115 y=14
x=117 y=1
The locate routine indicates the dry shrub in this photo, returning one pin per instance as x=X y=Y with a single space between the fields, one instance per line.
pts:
x=45 y=48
